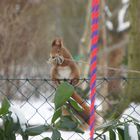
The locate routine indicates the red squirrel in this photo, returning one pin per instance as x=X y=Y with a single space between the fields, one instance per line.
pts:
x=64 y=66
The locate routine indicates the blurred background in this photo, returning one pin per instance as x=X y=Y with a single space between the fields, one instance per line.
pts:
x=28 y=27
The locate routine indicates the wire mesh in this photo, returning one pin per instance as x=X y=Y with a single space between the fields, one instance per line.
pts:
x=34 y=97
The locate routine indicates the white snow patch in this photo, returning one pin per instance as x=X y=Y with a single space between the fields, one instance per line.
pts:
x=133 y=111
x=46 y=110
x=108 y=12
x=123 y=25
x=109 y=25
x=17 y=115
x=125 y=1
x=36 y=111
x=133 y=132
x=98 y=105
x=1 y=122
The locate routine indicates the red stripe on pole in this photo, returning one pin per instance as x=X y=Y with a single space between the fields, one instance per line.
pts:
x=93 y=63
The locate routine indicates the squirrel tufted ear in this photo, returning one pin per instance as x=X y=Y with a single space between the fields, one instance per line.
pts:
x=57 y=43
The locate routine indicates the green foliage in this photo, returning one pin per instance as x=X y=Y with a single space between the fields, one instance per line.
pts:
x=56 y=115
x=126 y=132
x=112 y=135
x=10 y=128
x=62 y=100
x=56 y=135
x=120 y=133
x=63 y=93
x=83 y=93
x=75 y=105
x=5 y=106
x=138 y=128
x=36 y=130
x=66 y=123
x=118 y=128
x=46 y=138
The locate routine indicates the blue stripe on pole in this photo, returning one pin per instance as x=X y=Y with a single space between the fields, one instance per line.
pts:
x=93 y=98
x=95 y=8
x=94 y=21
x=92 y=112
x=93 y=60
x=93 y=85
x=95 y=33
x=93 y=72
x=92 y=125
x=94 y=46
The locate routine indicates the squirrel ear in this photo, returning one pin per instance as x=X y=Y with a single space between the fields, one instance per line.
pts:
x=57 y=43
x=53 y=42
x=61 y=42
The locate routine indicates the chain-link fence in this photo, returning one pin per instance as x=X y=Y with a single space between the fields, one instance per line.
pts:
x=34 y=97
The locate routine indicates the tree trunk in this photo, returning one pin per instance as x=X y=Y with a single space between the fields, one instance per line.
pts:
x=133 y=89
x=84 y=47
x=103 y=60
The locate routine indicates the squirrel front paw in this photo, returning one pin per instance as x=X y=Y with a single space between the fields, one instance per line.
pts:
x=74 y=81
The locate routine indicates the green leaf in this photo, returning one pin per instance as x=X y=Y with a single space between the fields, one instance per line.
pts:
x=24 y=136
x=1 y=134
x=46 y=138
x=126 y=132
x=63 y=93
x=5 y=107
x=138 y=132
x=107 y=125
x=120 y=133
x=36 y=130
x=75 y=105
x=66 y=123
x=78 y=130
x=112 y=135
x=9 y=131
x=56 y=135
x=56 y=115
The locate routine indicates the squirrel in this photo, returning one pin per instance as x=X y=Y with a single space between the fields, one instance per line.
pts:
x=64 y=66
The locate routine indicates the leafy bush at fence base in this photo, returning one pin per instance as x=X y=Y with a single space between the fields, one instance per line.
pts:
x=11 y=123
x=62 y=101
x=10 y=126
x=118 y=129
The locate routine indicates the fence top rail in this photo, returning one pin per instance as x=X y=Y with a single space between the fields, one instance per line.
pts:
x=82 y=79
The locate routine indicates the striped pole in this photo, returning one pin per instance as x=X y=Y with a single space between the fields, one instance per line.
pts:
x=93 y=62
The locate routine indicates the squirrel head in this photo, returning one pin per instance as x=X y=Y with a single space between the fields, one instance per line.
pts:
x=57 y=45
x=59 y=54
x=56 y=54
